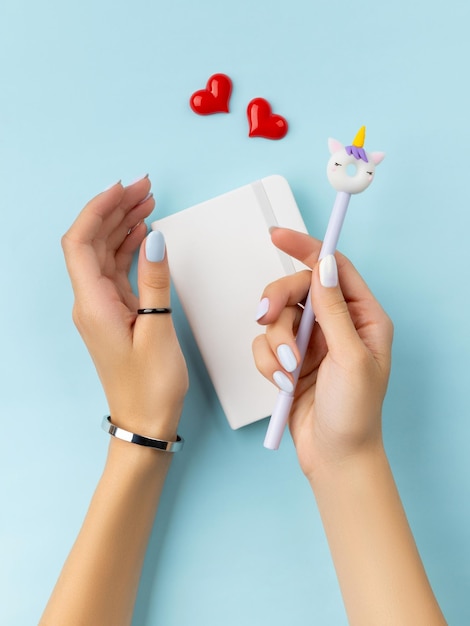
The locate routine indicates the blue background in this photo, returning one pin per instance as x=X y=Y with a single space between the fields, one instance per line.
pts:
x=94 y=91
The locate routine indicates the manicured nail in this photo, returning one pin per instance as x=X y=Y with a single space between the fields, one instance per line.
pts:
x=328 y=271
x=263 y=308
x=155 y=246
x=283 y=382
x=113 y=185
x=137 y=180
x=147 y=197
x=286 y=357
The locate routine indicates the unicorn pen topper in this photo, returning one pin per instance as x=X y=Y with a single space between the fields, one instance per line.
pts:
x=350 y=170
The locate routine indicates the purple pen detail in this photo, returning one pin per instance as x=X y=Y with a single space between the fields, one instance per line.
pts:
x=357 y=153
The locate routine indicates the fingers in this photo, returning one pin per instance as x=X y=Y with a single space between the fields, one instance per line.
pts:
x=307 y=249
x=269 y=366
x=127 y=238
x=104 y=226
x=331 y=310
x=94 y=215
x=153 y=273
x=298 y=245
x=115 y=207
x=350 y=318
x=352 y=321
x=153 y=278
x=287 y=291
x=131 y=217
x=121 y=219
x=82 y=261
x=276 y=353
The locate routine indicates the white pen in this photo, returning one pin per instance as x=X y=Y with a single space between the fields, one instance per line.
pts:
x=350 y=170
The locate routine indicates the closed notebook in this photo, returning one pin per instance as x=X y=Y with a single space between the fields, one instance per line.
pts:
x=221 y=258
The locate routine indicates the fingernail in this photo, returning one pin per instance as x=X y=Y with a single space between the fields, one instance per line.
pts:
x=286 y=357
x=328 y=271
x=155 y=246
x=137 y=180
x=147 y=197
x=283 y=382
x=263 y=308
x=272 y=229
x=113 y=185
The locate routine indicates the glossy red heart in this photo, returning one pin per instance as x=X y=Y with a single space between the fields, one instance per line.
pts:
x=263 y=122
x=214 y=98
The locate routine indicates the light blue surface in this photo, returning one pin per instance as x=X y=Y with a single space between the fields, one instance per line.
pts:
x=92 y=91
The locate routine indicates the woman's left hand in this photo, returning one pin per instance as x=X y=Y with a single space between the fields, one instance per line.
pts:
x=137 y=357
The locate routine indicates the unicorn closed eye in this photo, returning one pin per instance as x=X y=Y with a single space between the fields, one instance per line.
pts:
x=351 y=168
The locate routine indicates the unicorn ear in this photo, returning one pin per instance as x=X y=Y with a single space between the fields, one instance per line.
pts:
x=334 y=145
x=377 y=157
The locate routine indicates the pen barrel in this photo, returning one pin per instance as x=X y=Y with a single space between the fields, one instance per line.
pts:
x=278 y=420
x=284 y=400
x=304 y=332
x=335 y=223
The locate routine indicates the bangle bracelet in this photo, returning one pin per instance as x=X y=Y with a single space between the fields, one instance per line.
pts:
x=125 y=435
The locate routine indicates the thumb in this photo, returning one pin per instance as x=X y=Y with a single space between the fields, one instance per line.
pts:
x=331 y=309
x=153 y=276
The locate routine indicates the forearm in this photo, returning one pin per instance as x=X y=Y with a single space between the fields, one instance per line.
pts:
x=99 y=581
x=380 y=572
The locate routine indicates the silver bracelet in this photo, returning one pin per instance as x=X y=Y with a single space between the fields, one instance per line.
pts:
x=125 y=435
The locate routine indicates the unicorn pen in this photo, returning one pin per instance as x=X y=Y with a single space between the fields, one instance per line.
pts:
x=350 y=170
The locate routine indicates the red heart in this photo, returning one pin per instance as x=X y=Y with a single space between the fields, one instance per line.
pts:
x=263 y=122
x=214 y=98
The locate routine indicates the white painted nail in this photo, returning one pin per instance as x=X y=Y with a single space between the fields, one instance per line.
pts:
x=286 y=357
x=328 y=271
x=155 y=246
x=263 y=308
x=283 y=382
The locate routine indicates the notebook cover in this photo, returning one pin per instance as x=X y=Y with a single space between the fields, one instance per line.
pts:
x=221 y=257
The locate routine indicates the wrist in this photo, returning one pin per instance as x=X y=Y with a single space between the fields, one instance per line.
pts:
x=135 y=462
x=361 y=465
x=161 y=424
x=155 y=423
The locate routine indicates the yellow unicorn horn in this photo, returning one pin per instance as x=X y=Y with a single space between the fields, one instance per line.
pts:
x=360 y=137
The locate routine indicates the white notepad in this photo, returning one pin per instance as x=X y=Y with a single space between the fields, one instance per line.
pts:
x=221 y=258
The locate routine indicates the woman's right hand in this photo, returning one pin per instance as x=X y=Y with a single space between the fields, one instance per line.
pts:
x=338 y=399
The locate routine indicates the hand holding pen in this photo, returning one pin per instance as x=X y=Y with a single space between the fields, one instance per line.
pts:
x=350 y=170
